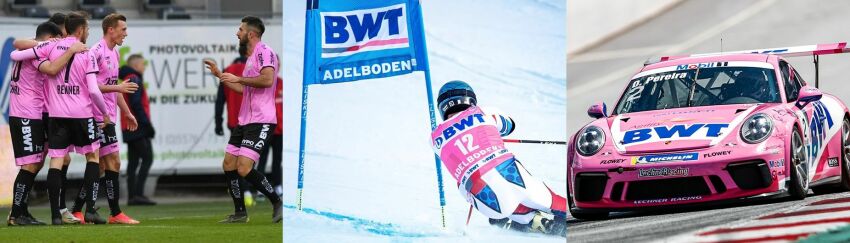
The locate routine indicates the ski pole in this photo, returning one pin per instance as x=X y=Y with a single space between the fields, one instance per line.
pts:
x=469 y=215
x=534 y=141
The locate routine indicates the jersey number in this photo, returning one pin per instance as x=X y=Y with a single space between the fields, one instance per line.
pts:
x=68 y=68
x=469 y=146
x=16 y=71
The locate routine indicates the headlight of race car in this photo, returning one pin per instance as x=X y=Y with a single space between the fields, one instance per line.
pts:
x=757 y=128
x=591 y=141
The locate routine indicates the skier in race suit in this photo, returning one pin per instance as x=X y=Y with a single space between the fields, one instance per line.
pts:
x=469 y=142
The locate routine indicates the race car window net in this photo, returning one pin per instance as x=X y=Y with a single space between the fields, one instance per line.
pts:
x=709 y=86
x=791 y=90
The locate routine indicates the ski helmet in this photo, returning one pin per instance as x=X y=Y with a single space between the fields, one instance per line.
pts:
x=455 y=96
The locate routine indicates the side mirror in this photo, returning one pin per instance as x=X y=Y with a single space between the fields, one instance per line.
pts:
x=598 y=110
x=809 y=94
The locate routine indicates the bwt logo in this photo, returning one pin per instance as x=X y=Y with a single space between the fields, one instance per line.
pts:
x=773 y=51
x=819 y=127
x=698 y=131
x=352 y=32
x=458 y=127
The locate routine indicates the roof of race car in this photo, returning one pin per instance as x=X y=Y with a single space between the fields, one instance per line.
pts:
x=711 y=59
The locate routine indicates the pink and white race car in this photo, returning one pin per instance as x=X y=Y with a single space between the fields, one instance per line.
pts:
x=711 y=127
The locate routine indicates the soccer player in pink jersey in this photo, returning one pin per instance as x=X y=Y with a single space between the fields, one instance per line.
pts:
x=21 y=44
x=257 y=118
x=469 y=142
x=73 y=94
x=27 y=121
x=106 y=55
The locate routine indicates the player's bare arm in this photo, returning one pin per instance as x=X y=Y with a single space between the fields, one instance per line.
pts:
x=210 y=64
x=53 y=67
x=97 y=98
x=231 y=81
x=265 y=80
x=133 y=124
x=124 y=87
x=23 y=44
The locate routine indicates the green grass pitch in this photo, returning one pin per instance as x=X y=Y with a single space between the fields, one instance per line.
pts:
x=182 y=222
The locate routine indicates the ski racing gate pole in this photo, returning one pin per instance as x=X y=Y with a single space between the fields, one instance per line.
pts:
x=308 y=40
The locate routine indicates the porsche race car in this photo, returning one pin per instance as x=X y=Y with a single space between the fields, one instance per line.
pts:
x=711 y=127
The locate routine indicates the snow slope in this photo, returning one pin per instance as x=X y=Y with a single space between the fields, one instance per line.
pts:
x=370 y=173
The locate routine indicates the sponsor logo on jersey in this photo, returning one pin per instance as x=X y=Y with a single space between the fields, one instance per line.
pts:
x=682 y=131
x=460 y=126
x=665 y=158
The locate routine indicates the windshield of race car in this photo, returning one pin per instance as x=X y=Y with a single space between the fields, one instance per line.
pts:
x=713 y=86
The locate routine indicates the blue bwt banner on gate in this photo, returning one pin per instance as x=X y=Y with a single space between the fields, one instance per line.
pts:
x=356 y=40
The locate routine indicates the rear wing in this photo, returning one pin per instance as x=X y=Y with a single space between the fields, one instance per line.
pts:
x=791 y=51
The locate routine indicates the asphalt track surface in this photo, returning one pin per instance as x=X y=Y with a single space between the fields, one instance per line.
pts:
x=600 y=74
x=662 y=225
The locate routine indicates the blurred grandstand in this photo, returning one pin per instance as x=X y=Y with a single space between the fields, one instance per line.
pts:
x=146 y=9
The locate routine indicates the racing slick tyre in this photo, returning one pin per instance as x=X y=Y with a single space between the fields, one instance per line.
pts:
x=845 y=155
x=585 y=215
x=799 y=185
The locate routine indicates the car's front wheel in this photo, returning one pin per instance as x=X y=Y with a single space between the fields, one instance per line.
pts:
x=845 y=154
x=584 y=215
x=799 y=186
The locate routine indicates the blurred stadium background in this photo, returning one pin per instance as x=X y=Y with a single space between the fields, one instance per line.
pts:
x=604 y=55
x=174 y=36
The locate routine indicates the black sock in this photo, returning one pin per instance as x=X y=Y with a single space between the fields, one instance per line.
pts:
x=80 y=200
x=30 y=180
x=23 y=185
x=64 y=187
x=91 y=182
x=235 y=190
x=110 y=181
x=262 y=184
x=54 y=183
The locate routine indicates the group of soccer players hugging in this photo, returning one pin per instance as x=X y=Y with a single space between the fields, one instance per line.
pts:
x=63 y=98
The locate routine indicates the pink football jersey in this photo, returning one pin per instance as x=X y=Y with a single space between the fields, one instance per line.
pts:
x=68 y=91
x=258 y=103
x=26 y=90
x=107 y=62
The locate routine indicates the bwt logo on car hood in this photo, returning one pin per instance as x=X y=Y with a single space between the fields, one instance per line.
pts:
x=679 y=129
x=682 y=131
x=352 y=32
